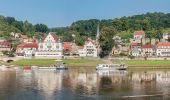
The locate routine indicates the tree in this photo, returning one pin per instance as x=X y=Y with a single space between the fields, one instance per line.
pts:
x=41 y=28
x=10 y=20
x=79 y=39
x=106 y=41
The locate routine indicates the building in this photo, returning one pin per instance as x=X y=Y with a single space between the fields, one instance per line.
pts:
x=89 y=49
x=139 y=36
x=148 y=50
x=135 y=49
x=5 y=46
x=50 y=46
x=29 y=40
x=67 y=48
x=163 y=49
x=166 y=36
x=26 y=49
x=2 y=39
x=120 y=49
x=71 y=49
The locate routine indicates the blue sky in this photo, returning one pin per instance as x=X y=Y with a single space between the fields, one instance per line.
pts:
x=57 y=13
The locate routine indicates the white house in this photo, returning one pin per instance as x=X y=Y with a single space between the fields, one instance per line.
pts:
x=139 y=36
x=166 y=36
x=50 y=46
x=163 y=49
x=26 y=49
x=135 y=49
x=89 y=49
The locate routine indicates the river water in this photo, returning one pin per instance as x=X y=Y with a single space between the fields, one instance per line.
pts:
x=82 y=84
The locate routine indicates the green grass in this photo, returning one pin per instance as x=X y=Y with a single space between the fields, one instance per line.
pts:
x=78 y=62
x=38 y=62
x=147 y=62
x=82 y=62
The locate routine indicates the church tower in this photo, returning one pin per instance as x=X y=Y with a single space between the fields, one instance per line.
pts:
x=97 y=39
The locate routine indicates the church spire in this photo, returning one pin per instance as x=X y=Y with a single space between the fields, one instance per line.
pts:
x=98 y=32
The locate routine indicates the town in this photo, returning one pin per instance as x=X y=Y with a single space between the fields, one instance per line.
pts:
x=51 y=46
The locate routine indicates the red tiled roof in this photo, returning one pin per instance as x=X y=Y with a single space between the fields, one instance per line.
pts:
x=134 y=43
x=28 y=45
x=22 y=35
x=5 y=43
x=140 y=32
x=53 y=35
x=147 y=46
x=163 y=44
x=67 y=45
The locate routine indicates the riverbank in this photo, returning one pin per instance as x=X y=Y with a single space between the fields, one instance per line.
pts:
x=147 y=63
x=92 y=62
x=78 y=62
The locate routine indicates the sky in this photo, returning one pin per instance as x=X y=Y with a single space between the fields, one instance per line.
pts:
x=61 y=13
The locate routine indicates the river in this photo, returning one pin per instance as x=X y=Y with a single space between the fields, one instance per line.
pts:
x=82 y=84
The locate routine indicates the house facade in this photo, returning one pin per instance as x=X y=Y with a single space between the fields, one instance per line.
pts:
x=166 y=36
x=135 y=49
x=50 y=46
x=5 y=46
x=26 y=49
x=163 y=49
x=88 y=50
x=148 y=50
x=139 y=36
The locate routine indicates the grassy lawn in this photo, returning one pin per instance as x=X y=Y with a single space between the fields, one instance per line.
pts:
x=82 y=62
x=38 y=62
x=78 y=62
x=90 y=62
x=147 y=62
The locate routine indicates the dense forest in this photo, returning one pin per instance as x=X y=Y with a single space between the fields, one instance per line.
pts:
x=152 y=23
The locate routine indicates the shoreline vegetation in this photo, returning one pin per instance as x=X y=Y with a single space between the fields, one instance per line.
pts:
x=92 y=62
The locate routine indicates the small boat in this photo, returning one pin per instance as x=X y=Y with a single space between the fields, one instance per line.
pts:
x=60 y=67
x=111 y=67
x=34 y=67
x=27 y=67
x=47 y=68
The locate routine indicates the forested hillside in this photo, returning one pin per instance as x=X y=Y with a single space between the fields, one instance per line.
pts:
x=10 y=24
x=152 y=23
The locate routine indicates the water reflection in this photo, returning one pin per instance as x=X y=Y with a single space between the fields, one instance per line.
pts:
x=84 y=84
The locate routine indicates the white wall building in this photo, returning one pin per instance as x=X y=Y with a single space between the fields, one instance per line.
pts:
x=89 y=50
x=26 y=49
x=135 y=49
x=163 y=49
x=50 y=46
x=139 y=36
x=166 y=36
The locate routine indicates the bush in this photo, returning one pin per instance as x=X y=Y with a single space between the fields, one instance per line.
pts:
x=131 y=57
x=122 y=54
